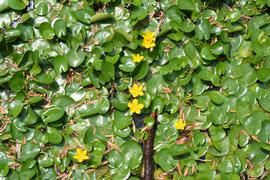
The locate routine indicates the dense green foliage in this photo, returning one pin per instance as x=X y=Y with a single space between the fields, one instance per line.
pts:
x=66 y=68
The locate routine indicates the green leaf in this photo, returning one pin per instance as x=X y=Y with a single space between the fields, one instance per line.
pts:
x=87 y=110
x=46 y=30
x=12 y=34
x=100 y=120
x=75 y=58
x=192 y=52
x=165 y=160
x=217 y=133
x=45 y=161
x=265 y=101
x=230 y=86
x=155 y=84
x=89 y=135
x=252 y=124
x=122 y=120
x=94 y=79
x=206 y=54
x=62 y=101
x=202 y=30
x=101 y=17
x=44 y=78
x=245 y=50
x=83 y=16
x=29 y=151
x=31 y=117
x=132 y=154
x=4 y=168
x=127 y=65
x=149 y=121
x=103 y=106
x=235 y=15
x=17 y=4
x=53 y=135
x=115 y=159
x=123 y=133
x=42 y=8
x=230 y=164
x=256 y=171
x=52 y=114
x=3 y=5
x=141 y=71
x=186 y=5
x=121 y=173
x=120 y=101
x=217 y=97
x=107 y=69
x=60 y=64
x=158 y=105
x=264 y=134
x=15 y=107
x=16 y=83
x=60 y=28
x=179 y=149
x=264 y=74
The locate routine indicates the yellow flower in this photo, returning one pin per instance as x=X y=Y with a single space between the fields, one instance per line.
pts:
x=180 y=124
x=136 y=90
x=148 y=44
x=149 y=36
x=135 y=106
x=137 y=58
x=149 y=39
x=81 y=155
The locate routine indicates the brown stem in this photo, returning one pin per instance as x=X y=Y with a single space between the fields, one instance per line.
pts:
x=148 y=151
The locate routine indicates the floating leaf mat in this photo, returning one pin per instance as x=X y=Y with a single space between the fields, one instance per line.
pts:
x=95 y=89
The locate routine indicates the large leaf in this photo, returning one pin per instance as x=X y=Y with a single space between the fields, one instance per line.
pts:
x=132 y=154
x=165 y=160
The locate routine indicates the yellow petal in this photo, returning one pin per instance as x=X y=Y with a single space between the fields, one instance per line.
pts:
x=137 y=58
x=140 y=106
x=140 y=93
x=148 y=44
x=134 y=106
x=148 y=35
x=135 y=101
x=130 y=104
x=180 y=124
x=81 y=155
x=138 y=111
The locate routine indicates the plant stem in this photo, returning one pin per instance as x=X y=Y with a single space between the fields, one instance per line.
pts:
x=149 y=166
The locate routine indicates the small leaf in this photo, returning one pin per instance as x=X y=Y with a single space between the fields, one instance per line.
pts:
x=141 y=70
x=17 y=4
x=4 y=168
x=53 y=135
x=122 y=120
x=15 y=107
x=132 y=154
x=206 y=54
x=60 y=64
x=29 y=151
x=217 y=97
x=75 y=58
x=101 y=17
x=16 y=83
x=186 y=5
x=60 y=28
x=165 y=160
x=52 y=114
x=46 y=30
x=42 y=8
